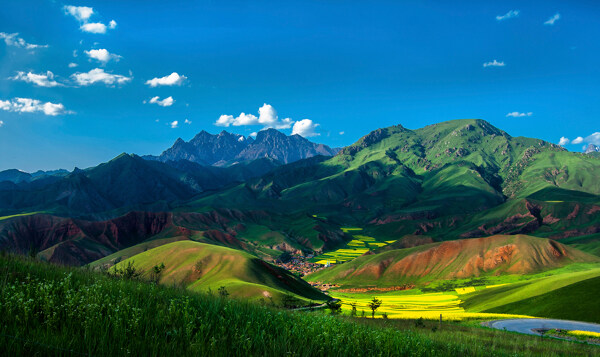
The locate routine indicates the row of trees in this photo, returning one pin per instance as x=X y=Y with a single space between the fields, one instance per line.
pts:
x=335 y=306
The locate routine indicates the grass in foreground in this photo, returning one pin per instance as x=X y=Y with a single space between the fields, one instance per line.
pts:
x=49 y=310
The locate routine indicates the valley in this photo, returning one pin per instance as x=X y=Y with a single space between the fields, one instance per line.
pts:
x=458 y=222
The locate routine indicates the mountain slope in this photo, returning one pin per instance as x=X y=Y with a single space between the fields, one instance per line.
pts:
x=201 y=267
x=439 y=180
x=78 y=242
x=456 y=259
x=127 y=182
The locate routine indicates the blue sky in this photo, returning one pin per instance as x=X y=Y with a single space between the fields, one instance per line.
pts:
x=332 y=70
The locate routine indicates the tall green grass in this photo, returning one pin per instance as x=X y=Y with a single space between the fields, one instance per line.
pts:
x=49 y=310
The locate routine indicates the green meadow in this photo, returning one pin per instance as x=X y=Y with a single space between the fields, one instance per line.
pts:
x=50 y=310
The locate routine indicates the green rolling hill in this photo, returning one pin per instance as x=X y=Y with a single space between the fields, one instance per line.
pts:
x=200 y=267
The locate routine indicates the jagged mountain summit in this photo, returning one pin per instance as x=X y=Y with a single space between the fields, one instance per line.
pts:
x=225 y=148
x=591 y=148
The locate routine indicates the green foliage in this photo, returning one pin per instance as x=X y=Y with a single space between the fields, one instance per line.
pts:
x=334 y=306
x=127 y=271
x=374 y=305
x=353 y=311
x=223 y=293
x=156 y=272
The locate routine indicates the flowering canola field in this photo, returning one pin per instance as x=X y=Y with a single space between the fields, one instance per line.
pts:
x=399 y=305
x=355 y=248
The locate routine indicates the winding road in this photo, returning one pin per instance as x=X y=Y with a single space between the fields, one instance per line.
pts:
x=531 y=326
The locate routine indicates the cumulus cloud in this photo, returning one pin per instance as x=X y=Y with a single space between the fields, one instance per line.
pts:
x=41 y=80
x=13 y=39
x=552 y=20
x=72 y=65
x=342 y=133
x=494 y=63
x=577 y=140
x=173 y=79
x=518 y=115
x=174 y=124
x=94 y=27
x=593 y=139
x=563 y=141
x=508 y=15
x=1 y=123
x=590 y=139
x=97 y=75
x=242 y=119
x=28 y=105
x=80 y=13
x=305 y=128
x=188 y=121
x=167 y=102
x=267 y=118
x=102 y=55
x=83 y=14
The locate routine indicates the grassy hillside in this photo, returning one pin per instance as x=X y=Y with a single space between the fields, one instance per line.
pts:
x=50 y=310
x=458 y=259
x=200 y=267
x=577 y=301
x=445 y=180
x=489 y=299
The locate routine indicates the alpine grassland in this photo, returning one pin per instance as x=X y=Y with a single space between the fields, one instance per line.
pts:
x=53 y=310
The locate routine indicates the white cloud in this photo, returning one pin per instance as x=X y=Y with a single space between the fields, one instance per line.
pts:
x=518 y=115
x=28 y=105
x=563 y=141
x=167 y=102
x=41 y=80
x=594 y=139
x=342 y=133
x=577 y=140
x=97 y=75
x=508 y=15
x=590 y=139
x=240 y=120
x=81 y=13
x=305 y=128
x=174 y=124
x=188 y=121
x=170 y=80
x=102 y=55
x=94 y=27
x=553 y=19
x=225 y=120
x=494 y=63
x=72 y=65
x=253 y=134
x=1 y=123
x=13 y=39
x=269 y=119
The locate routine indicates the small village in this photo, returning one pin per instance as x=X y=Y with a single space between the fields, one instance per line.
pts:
x=300 y=265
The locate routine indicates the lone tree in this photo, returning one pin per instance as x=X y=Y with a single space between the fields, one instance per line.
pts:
x=335 y=306
x=157 y=272
x=374 y=305
x=353 y=312
x=223 y=292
